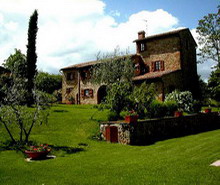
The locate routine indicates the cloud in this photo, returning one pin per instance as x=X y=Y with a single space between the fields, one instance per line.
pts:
x=74 y=31
x=115 y=13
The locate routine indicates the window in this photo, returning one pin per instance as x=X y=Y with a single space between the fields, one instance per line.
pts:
x=69 y=76
x=87 y=93
x=142 y=47
x=157 y=66
x=137 y=69
x=85 y=74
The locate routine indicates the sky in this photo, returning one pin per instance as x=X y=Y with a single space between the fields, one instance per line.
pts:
x=75 y=31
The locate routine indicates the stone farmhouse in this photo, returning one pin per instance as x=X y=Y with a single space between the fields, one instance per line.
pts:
x=168 y=60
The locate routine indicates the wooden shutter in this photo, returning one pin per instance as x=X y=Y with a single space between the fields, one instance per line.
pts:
x=67 y=90
x=162 y=65
x=90 y=92
x=82 y=93
x=152 y=66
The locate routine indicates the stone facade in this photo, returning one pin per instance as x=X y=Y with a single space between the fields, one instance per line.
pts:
x=168 y=60
x=150 y=131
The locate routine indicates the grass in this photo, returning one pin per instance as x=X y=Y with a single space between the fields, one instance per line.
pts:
x=176 y=161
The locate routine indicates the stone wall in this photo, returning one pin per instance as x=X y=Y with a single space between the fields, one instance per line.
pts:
x=69 y=84
x=165 y=49
x=75 y=89
x=150 y=131
x=189 y=65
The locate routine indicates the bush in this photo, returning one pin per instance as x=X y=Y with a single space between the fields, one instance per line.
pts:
x=141 y=98
x=157 y=109
x=183 y=99
x=112 y=116
x=171 y=107
x=197 y=105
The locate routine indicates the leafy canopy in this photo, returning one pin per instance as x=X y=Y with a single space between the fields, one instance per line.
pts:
x=209 y=36
x=214 y=84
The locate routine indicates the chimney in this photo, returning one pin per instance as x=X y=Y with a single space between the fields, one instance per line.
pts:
x=141 y=35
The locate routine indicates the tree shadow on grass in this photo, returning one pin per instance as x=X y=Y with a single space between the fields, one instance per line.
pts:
x=66 y=149
x=60 y=111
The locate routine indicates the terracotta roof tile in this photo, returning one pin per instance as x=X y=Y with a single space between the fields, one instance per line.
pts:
x=152 y=75
x=162 y=34
x=81 y=65
x=91 y=63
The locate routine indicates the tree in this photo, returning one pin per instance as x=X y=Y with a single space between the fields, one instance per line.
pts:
x=115 y=70
x=31 y=54
x=16 y=64
x=209 y=37
x=214 y=84
x=142 y=97
x=15 y=117
x=14 y=114
x=48 y=82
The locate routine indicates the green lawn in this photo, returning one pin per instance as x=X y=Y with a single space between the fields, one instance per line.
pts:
x=176 y=161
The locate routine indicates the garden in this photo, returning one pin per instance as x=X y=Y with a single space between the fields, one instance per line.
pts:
x=32 y=122
x=82 y=159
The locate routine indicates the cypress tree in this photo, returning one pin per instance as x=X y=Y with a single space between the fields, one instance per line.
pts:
x=31 y=55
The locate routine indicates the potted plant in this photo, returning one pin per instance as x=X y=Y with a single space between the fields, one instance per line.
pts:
x=131 y=117
x=208 y=109
x=178 y=113
x=38 y=152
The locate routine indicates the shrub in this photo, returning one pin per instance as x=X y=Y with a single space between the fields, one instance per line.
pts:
x=197 y=105
x=183 y=99
x=118 y=96
x=171 y=107
x=112 y=116
x=157 y=109
x=141 y=98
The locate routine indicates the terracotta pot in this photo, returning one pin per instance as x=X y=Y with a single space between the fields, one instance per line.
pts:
x=208 y=110
x=36 y=155
x=178 y=113
x=69 y=103
x=131 y=119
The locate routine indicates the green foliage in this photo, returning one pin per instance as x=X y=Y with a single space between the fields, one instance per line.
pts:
x=175 y=161
x=48 y=82
x=203 y=90
x=141 y=98
x=157 y=109
x=15 y=115
x=118 y=96
x=183 y=99
x=197 y=105
x=171 y=107
x=16 y=63
x=112 y=116
x=214 y=84
x=115 y=70
x=209 y=36
x=31 y=55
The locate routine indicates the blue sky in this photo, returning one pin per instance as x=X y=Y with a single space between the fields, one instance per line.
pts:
x=74 y=31
x=187 y=11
